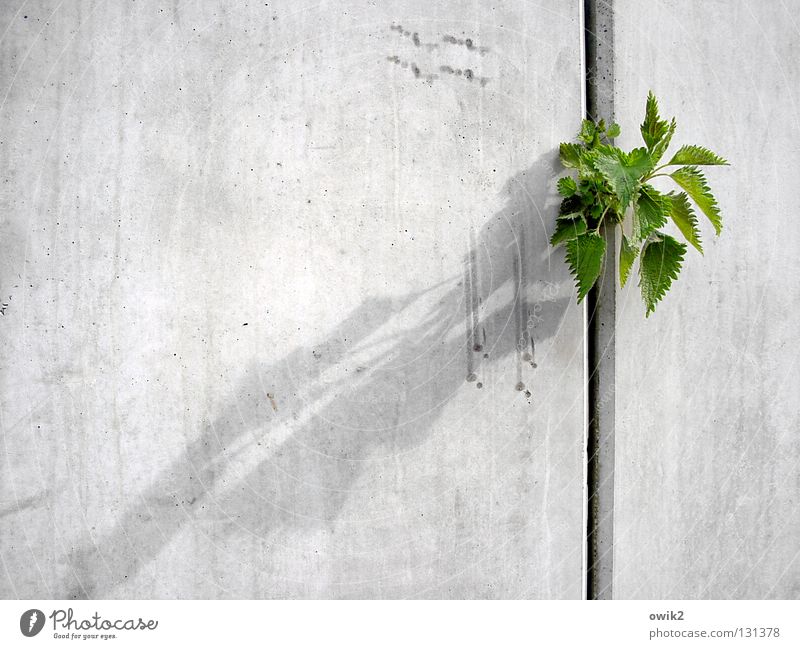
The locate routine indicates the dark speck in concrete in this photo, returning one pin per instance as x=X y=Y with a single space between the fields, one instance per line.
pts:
x=418 y=73
x=466 y=42
x=467 y=74
x=414 y=36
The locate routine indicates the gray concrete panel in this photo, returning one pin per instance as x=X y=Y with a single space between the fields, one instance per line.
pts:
x=282 y=319
x=708 y=482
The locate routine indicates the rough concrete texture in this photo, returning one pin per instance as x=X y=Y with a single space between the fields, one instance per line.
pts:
x=282 y=320
x=708 y=482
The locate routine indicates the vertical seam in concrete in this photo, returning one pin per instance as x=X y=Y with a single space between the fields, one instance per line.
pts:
x=585 y=325
x=599 y=66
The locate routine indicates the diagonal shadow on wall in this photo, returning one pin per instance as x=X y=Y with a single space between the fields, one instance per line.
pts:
x=297 y=464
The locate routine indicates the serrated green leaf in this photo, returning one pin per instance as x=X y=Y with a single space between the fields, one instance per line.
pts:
x=627 y=255
x=623 y=171
x=567 y=229
x=585 y=258
x=588 y=130
x=612 y=168
x=571 y=207
x=567 y=186
x=570 y=155
x=651 y=209
x=653 y=128
x=692 y=181
x=661 y=146
x=639 y=162
x=613 y=131
x=659 y=266
x=684 y=217
x=696 y=155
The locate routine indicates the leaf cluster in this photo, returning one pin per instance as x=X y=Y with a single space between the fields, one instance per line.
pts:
x=611 y=185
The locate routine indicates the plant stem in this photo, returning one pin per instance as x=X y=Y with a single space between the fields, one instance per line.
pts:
x=600 y=222
x=653 y=173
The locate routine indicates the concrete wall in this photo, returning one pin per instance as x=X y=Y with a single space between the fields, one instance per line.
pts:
x=282 y=320
x=708 y=483
x=279 y=318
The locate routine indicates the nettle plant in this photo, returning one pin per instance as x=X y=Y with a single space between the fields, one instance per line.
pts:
x=613 y=184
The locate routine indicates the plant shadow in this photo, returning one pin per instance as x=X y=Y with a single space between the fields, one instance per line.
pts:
x=287 y=451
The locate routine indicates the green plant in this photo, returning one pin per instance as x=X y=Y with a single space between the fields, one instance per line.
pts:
x=612 y=184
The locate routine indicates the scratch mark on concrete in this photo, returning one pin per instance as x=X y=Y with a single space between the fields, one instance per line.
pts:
x=520 y=301
x=34 y=502
x=471 y=376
